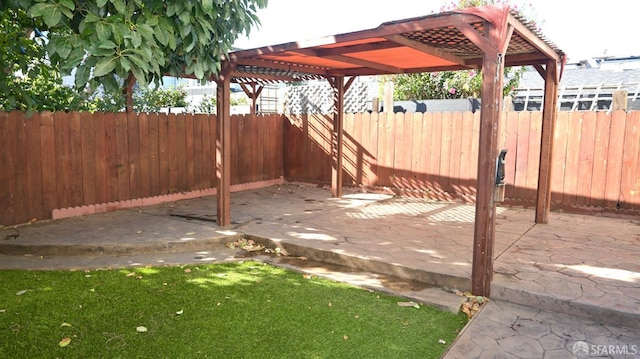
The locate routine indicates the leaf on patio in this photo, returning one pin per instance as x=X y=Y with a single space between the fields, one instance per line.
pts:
x=141 y=329
x=64 y=342
x=65 y=324
x=409 y=304
x=21 y=292
x=302 y=258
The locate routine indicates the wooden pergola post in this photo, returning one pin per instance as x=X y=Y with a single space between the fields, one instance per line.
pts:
x=549 y=115
x=223 y=143
x=484 y=231
x=337 y=133
x=337 y=136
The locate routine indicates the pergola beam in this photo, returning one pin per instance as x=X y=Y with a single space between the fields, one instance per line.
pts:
x=252 y=93
x=402 y=40
x=366 y=64
x=534 y=40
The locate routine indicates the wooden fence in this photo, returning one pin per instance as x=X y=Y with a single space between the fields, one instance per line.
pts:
x=596 y=159
x=60 y=160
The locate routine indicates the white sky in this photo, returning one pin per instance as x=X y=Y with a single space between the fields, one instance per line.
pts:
x=581 y=28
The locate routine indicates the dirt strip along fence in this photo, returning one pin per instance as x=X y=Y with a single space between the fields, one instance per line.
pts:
x=596 y=158
x=59 y=160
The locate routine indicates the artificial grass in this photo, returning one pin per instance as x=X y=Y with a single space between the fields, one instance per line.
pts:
x=233 y=310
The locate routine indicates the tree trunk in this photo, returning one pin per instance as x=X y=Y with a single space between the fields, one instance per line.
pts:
x=128 y=92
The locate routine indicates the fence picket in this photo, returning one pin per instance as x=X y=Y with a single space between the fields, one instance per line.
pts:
x=34 y=167
x=6 y=175
x=629 y=180
x=614 y=159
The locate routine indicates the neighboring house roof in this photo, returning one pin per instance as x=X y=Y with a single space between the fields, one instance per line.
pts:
x=584 y=77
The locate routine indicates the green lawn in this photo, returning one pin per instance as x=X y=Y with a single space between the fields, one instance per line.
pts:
x=238 y=310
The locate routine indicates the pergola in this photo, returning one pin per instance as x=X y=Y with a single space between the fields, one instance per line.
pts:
x=487 y=38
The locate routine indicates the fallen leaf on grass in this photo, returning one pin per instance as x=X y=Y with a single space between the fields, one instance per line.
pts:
x=442 y=341
x=2 y=310
x=141 y=329
x=345 y=337
x=409 y=304
x=64 y=342
x=65 y=324
x=21 y=292
x=180 y=312
x=131 y=274
x=187 y=270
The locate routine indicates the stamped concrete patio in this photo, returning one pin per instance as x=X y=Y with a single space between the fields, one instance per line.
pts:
x=551 y=281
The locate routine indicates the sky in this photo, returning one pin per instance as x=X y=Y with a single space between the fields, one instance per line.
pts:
x=582 y=29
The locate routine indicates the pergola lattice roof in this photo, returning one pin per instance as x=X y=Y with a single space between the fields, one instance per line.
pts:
x=443 y=41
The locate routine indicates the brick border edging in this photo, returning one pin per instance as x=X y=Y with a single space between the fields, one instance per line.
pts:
x=150 y=201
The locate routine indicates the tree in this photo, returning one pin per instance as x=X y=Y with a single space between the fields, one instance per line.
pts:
x=116 y=43
x=453 y=84
x=145 y=99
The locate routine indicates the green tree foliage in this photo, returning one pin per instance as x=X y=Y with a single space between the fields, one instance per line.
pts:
x=207 y=105
x=453 y=84
x=115 y=43
x=145 y=99
x=27 y=81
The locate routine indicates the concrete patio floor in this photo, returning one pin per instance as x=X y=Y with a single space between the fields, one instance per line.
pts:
x=551 y=281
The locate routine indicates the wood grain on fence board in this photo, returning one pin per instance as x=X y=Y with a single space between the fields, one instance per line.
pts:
x=614 y=159
x=629 y=181
x=585 y=168
x=6 y=176
x=34 y=167
x=599 y=171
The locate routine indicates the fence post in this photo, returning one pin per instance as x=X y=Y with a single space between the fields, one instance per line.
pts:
x=619 y=100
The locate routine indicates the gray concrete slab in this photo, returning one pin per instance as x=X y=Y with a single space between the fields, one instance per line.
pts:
x=583 y=266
